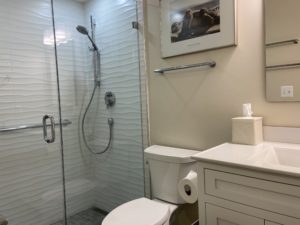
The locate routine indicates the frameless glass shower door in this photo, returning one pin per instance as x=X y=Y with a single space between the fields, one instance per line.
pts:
x=31 y=187
x=98 y=40
x=89 y=89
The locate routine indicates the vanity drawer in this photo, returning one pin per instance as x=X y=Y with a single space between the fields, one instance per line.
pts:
x=220 y=216
x=273 y=196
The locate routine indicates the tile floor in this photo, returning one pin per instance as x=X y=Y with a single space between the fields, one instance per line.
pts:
x=87 y=217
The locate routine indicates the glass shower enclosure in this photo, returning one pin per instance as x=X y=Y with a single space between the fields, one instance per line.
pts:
x=55 y=120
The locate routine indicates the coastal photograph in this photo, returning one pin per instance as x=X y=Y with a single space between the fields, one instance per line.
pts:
x=195 y=21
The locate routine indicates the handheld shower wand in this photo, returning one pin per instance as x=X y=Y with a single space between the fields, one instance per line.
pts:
x=110 y=121
x=84 y=31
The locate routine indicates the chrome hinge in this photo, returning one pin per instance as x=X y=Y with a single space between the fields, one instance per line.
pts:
x=135 y=25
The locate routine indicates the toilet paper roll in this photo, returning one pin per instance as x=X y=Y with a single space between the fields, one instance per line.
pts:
x=188 y=187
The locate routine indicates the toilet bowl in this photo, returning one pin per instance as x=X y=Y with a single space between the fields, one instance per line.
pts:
x=167 y=167
x=141 y=211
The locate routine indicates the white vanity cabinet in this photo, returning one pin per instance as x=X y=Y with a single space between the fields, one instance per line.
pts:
x=232 y=195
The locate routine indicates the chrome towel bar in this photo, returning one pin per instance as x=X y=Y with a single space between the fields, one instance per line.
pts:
x=279 y=43
x=65 y=122
x=163 y=70
x=283 y=66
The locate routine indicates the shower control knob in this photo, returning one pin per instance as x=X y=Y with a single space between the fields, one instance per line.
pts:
x=110 y=122
x=110 y=99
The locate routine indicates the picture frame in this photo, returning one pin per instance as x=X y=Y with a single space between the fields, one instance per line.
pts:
x=189 y=26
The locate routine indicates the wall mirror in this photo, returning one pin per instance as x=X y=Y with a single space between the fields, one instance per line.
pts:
x=282 y=35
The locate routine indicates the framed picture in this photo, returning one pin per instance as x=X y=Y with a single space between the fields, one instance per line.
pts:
x=196 y=25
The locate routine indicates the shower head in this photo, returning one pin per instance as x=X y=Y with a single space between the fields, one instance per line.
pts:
x=84 y=31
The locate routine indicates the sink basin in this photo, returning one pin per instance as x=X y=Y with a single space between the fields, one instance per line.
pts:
x=283 y=156
x=277 y=157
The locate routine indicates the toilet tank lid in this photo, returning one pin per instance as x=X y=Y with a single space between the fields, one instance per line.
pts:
x=170 y=154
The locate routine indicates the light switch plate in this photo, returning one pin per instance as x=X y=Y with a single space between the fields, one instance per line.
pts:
x=287 y=91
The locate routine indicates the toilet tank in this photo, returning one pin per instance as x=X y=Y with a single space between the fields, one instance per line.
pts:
x=167 y=167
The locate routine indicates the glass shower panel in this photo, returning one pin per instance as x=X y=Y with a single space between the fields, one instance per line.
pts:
x=119 y=174
x=72 y=51
x=31 y=190
x=97 y=183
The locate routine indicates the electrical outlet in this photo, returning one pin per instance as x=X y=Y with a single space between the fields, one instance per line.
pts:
x=287 y=91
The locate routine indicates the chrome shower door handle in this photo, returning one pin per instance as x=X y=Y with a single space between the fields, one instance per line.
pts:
x=50 y=139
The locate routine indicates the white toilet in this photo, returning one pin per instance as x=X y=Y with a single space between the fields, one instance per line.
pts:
x=167 y=167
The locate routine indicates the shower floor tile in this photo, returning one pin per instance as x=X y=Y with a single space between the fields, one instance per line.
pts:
x=87 y=217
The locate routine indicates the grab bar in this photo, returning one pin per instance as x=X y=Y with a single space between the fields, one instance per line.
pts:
x=64 y=123
x=283 y=66
x=210 y=64
x=287 y=42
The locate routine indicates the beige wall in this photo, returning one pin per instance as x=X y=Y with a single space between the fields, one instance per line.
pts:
x=193 y=109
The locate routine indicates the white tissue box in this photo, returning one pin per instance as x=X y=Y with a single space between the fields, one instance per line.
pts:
x=247 y=130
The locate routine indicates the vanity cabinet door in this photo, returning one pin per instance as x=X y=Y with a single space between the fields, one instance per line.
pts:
x=216 y=215
x=273 y=196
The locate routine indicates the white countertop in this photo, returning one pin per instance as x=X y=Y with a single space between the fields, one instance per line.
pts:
x=273 y=157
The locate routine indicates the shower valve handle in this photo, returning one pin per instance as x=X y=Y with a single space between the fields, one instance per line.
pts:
x=110 y=99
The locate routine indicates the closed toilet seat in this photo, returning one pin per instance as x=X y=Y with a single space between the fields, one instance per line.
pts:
x=140 y=211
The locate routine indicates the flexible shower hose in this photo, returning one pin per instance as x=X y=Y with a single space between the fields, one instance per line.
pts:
x=110 y=122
